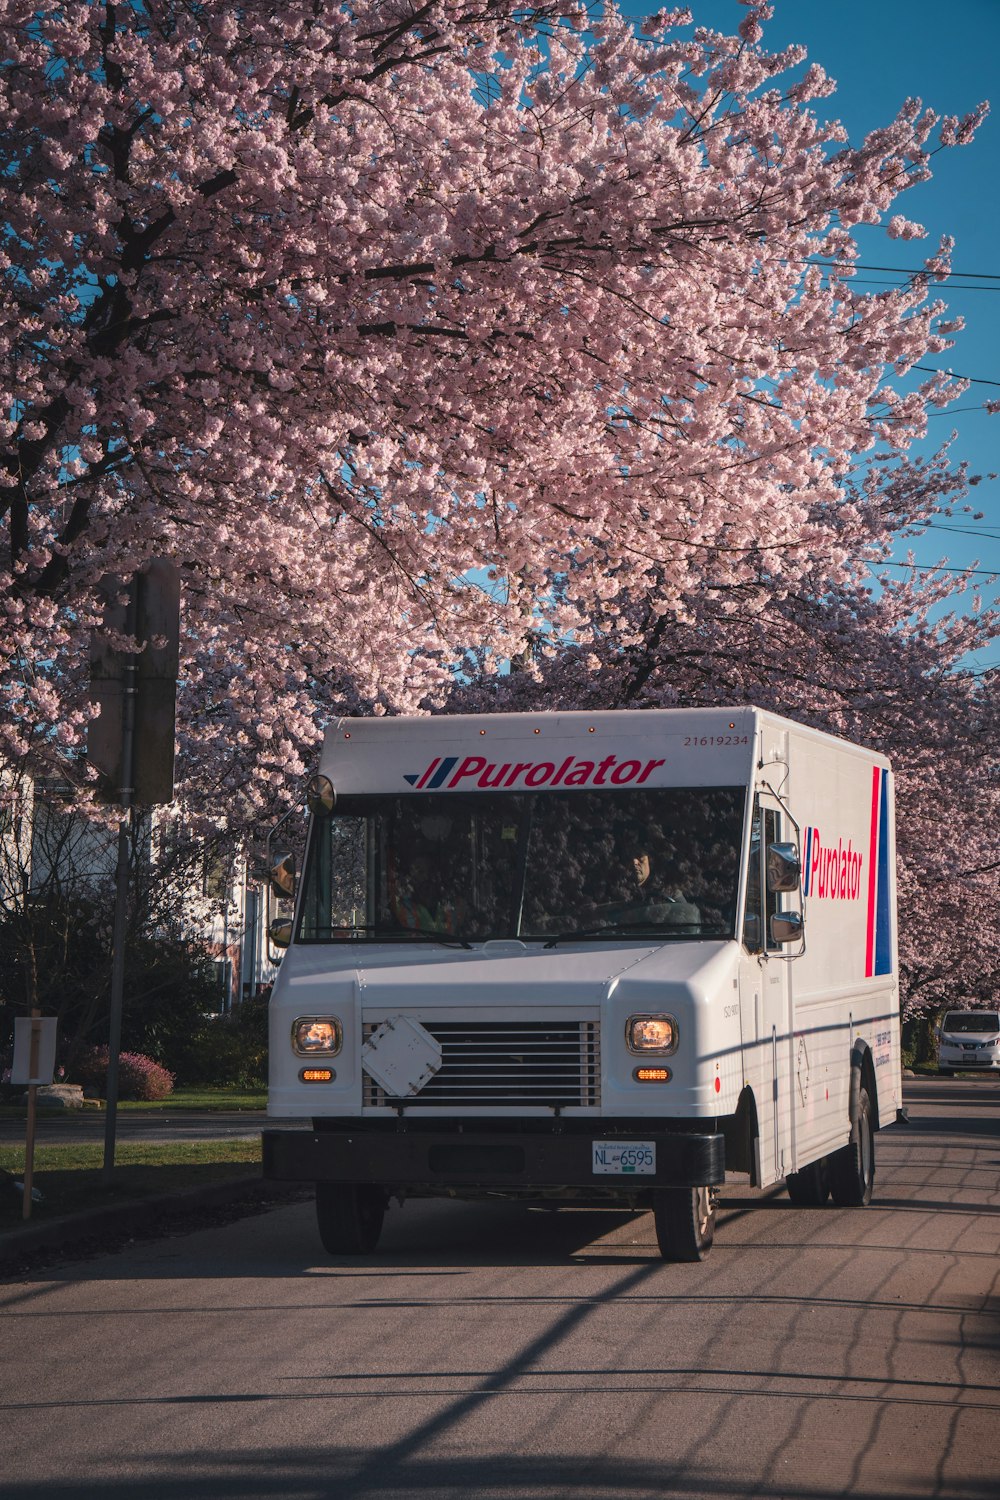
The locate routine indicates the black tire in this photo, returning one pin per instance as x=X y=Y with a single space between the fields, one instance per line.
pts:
x=349 y=1217
x=810 y=1188
x=685 y=1222
x=852 y=1168
x=946 y=1072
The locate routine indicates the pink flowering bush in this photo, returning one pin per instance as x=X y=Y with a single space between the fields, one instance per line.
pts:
x=139 y=1077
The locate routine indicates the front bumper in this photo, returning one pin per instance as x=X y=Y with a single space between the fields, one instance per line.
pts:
x=523 y=1163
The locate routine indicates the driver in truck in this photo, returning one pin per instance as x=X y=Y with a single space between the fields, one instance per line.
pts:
x=658 y=890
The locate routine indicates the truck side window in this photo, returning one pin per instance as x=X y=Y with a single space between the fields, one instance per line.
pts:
x=761 y=903
x=752 y=931
x=772 y=900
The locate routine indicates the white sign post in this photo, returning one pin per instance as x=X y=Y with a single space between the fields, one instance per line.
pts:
x=34 y=1049
x=34 y=1062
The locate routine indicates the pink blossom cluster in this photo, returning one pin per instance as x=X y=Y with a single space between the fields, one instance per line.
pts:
x=139 y=1077
x=884 y=668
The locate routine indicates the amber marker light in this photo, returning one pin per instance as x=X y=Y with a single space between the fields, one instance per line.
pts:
x=317 y=1075
x=651 y=1075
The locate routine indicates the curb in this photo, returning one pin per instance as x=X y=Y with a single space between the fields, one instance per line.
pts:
x=70 y=1231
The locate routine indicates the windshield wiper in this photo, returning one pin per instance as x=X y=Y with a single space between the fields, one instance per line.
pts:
x=450 y=939
x=652 y=929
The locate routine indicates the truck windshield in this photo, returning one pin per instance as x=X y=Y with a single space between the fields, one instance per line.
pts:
x=539 y=866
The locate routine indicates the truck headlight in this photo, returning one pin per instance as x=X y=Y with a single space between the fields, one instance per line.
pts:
x=317 y=1036
x=644 y=1034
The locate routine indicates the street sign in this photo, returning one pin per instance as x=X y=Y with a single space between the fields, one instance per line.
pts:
x=148 y=605
x=34 y=1049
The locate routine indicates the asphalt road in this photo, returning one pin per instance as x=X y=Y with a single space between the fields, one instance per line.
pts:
x=509 y=1354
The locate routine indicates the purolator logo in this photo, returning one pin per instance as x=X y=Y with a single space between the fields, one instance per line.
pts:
x=450 y=773
x=833 y=871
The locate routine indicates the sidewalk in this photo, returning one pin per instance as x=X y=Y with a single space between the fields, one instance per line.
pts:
x=107 y=1226
x=152 y=1124
x=111 y=1226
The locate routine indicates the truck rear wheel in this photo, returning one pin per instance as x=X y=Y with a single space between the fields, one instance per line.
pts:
x=685 y=1222
x=852 y=1168
x=349 y=1216
x=810 y=1188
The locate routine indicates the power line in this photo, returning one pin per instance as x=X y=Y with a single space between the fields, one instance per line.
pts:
x=867 y=281
x=941 y=568
x=983 y=534
x=954 y=375
x=948 y=411
x=861 y=265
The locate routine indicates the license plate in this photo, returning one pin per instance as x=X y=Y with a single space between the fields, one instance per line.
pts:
x=624 y=1158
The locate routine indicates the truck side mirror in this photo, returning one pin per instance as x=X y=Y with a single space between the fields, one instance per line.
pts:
x=784 y=868
x=786 y=926
x=282 y=875
x=280 y=932
x=321 y=797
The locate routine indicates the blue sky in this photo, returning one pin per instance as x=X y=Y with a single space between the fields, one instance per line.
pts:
x=882 y=52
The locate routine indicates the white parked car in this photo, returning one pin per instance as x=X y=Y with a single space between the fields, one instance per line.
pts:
x=969 y=1039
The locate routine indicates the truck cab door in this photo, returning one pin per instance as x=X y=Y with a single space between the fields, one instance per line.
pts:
x=765 y=999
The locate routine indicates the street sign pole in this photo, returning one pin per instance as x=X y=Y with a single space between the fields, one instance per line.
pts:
x=33 y=1061
x=29 y=1131
x=131 y=745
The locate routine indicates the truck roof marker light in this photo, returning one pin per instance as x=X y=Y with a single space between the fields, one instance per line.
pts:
x=317 y=1075
x=718 y=1084
x=651 y=1075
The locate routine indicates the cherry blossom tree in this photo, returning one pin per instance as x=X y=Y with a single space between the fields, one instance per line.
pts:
x=881 y=666
x=408 y=329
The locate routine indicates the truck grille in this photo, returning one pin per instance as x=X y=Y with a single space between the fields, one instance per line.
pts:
x=484 y=1063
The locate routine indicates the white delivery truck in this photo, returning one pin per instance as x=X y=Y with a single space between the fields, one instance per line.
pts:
x=586 y=958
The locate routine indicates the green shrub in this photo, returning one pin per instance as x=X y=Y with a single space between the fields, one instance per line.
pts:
x=226 y=1050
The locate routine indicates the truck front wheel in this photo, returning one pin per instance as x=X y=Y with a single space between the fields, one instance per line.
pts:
x=685 y=1222
x=349 y=1216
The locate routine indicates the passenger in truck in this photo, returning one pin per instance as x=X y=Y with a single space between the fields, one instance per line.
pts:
x=424 y=905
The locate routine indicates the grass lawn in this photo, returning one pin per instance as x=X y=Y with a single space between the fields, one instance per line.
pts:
x=205 y=1098
x=69 y=1177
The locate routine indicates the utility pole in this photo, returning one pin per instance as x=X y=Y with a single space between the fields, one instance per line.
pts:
x=126 y=790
